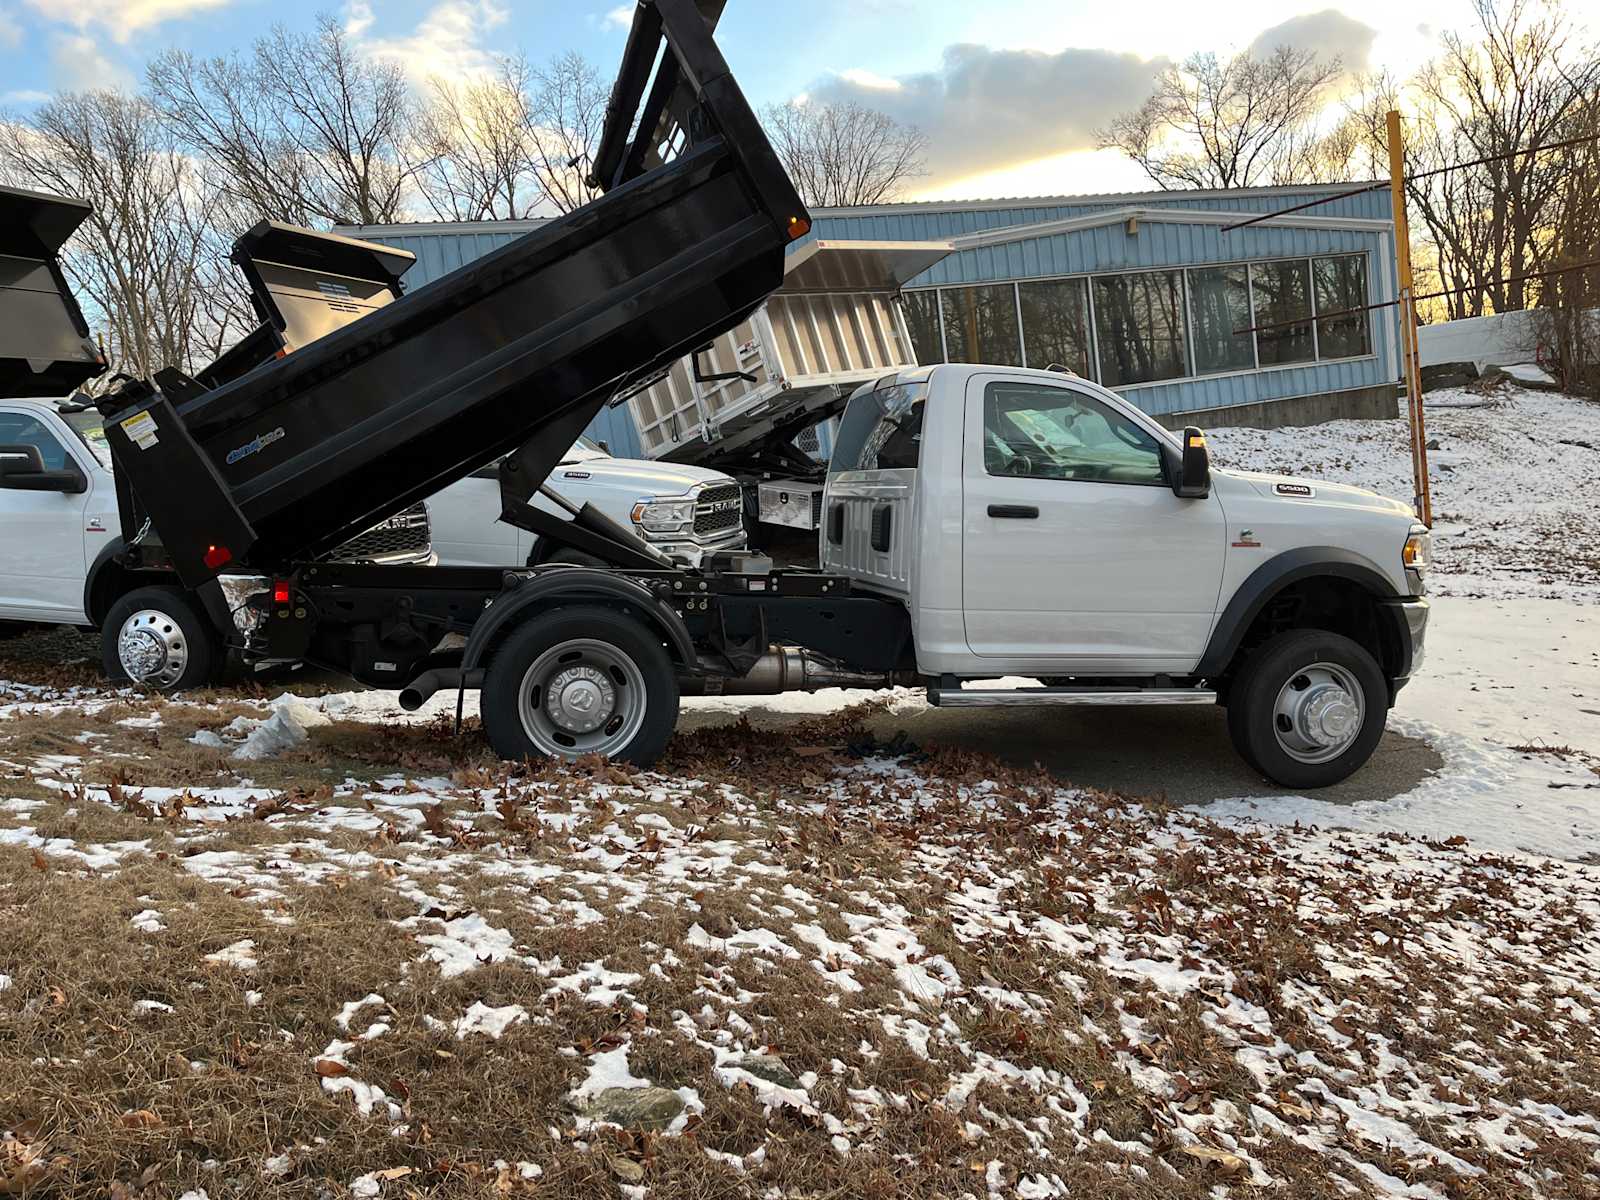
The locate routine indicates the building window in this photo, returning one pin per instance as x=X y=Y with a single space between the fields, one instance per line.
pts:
x=922 y=319
x=1283 y=306
x=980 y=324
x=1055 y=324
x=1139 y=322
x=1219 y=308
x=1341 y=286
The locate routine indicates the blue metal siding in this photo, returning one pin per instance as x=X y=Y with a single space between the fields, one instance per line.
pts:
x=1158 y=244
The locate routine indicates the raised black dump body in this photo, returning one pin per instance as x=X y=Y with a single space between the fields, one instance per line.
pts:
x=272 y=464
x=45 y=348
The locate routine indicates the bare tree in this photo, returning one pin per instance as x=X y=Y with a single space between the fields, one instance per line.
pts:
x=1568 y=320
x=1236 y=122
x=1521 y=82
x=565 y=110
x=844 y=154
x=146 y=262
x=476 y=150
x=303 y=129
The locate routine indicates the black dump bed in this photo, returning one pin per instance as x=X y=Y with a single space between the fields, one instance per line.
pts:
x=45 y=349
x=292 y=457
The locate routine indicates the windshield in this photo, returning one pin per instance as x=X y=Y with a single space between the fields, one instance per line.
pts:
x=582 y=451
x=91 y=432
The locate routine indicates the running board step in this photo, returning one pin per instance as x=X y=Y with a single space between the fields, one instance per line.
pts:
x=1028 y=697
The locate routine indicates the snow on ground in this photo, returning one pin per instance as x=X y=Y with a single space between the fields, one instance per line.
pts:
x=1513 y=484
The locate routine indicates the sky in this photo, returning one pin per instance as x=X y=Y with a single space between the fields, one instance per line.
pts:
x=1008 y=92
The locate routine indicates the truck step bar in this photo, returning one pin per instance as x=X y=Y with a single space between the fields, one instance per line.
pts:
x=1092 y=697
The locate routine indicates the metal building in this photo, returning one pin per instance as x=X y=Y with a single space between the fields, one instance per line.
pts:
x=1147 y=292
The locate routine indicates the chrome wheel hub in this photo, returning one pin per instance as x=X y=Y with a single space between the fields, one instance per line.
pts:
x=152 y=649
x=583 y=696
x=1319 y=712
x=580 y=699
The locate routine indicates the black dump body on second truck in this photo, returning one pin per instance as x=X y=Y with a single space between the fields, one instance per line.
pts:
x=270 y=465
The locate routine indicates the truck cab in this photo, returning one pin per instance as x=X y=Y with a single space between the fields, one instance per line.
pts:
x=1035 y=524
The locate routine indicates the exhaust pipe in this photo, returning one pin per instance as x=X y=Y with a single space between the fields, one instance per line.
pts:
x=422 y=689
x=791 y=669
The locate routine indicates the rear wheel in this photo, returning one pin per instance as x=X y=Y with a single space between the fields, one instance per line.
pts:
x=578 y=681
x=157 y=638
x=1308 y=708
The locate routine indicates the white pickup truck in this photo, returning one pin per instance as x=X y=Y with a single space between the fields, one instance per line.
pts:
x=685 y=512
x=59 y=527
x=1034 y=524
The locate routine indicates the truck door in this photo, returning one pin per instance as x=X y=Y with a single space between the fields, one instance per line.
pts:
x=1076 y=555
x=41 y=533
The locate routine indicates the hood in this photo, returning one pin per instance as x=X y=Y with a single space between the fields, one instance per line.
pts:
x=639 y=475
x=1292 y=489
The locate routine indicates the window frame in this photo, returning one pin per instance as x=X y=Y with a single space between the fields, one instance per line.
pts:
x=69 y=454
x=1257 y=367
x=1158 y=436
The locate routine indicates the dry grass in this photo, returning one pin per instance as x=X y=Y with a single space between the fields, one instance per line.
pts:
x=657 y=878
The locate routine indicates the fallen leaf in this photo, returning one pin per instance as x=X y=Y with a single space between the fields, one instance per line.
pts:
x=140 y=1118
x=331 y=1068
x=395 y=1173
x=627 y=1170
x=1222 y=1158
x=40 y=863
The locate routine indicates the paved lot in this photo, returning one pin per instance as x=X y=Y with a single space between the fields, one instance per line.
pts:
x=1183 y=753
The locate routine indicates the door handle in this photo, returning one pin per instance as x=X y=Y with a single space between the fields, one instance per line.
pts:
x=1015 y=512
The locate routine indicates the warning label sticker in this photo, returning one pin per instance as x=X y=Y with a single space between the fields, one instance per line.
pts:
x=141 y=429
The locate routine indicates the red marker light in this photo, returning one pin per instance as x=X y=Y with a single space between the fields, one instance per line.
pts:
x=280 y=591
x=217 y=556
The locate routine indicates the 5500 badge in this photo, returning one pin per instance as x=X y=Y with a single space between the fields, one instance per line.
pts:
x=255 y=446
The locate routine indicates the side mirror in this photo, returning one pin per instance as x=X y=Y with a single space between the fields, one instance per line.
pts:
x=1193 y=480
x=22 y=470
x=604 y=445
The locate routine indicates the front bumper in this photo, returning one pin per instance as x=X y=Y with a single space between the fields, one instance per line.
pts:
x=1411 y=623
x=693 y=553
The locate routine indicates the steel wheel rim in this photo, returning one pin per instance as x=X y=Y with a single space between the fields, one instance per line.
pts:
x=152 y=648
x=1319 y=713
x=582 y=696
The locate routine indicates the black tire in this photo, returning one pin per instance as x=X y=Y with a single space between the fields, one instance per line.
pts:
x=640 y=673
x=1291 y=664
x=177 y=622
x=575 y=558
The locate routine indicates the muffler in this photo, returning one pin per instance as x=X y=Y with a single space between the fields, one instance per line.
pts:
x=791 y=669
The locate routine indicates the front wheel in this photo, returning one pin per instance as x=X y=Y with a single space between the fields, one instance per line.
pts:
x=578 y=681
x=155 y=637
x=1308 y=708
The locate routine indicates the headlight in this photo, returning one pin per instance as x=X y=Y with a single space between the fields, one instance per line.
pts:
x=663 y=516
x=1418 y=553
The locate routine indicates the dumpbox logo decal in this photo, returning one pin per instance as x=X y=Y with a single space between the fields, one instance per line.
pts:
x=1294 y=489
x=255 y=446
x=575 y=474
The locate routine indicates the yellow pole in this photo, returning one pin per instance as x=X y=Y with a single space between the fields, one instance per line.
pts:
x=1422 y=498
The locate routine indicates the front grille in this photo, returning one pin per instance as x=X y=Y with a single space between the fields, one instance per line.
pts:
x=406 y=532
x=718 y=509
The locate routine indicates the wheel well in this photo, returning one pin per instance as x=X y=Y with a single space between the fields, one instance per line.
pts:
x=638 y=612
x=109 y=582
x=1330 y=603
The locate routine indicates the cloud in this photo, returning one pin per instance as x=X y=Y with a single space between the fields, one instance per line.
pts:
x=78 y=64
x=25 y=96
x=1330 y=33
x=620 y=17
x=984 y=108
x=121 y=18
x=10 y=30
x=447 y=43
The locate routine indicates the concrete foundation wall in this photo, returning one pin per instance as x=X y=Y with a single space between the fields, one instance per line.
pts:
x=1361 y=404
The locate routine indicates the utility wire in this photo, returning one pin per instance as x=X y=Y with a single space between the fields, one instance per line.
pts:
x=1477 y=287
x=1380 y=186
